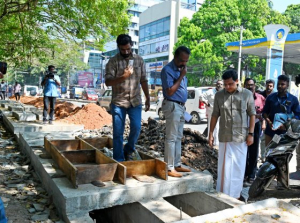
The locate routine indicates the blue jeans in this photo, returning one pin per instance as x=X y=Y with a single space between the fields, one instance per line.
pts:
x=174 y=114
x=119 y=117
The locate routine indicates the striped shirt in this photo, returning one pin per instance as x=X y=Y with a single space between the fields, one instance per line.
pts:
x=127 y=93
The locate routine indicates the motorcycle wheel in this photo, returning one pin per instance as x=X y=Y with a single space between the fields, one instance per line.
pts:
x=258 y=186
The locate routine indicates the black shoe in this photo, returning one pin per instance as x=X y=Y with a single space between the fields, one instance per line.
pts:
x=45 y=122
x=50 y=123
x=128 y=156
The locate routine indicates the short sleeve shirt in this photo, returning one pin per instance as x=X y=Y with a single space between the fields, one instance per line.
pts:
x=169 y=75
x=50 y=88
x=234 y=111
x=127 y=93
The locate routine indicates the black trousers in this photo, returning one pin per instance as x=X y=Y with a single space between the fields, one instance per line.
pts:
x=47 y=101
x=252 y=155
x=17 y=96
x=3 y=95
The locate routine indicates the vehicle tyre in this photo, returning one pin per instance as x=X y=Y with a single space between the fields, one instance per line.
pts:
x=258 y=186
x=195 y=118
x=161 y=114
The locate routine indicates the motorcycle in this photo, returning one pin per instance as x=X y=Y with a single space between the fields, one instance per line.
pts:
x=279 y=152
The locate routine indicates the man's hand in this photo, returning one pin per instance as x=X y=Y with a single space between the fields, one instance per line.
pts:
x=147 y=104
x=128 y=71
x=281 y=127
x=249 y=140
x=183 y=71
x=263 y=126
x=211 y=140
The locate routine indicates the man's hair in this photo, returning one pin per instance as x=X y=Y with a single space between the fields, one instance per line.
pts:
x=249 y=79
x=230 y=74
x=284 y=78
x=182 y=49
x=270 y=81
x=124 y=39
x=51 y=66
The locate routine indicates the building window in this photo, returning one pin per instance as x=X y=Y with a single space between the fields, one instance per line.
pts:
x=155 y=29
x=136 y=32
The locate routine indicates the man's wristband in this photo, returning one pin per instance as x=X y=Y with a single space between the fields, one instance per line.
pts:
x=250 y=133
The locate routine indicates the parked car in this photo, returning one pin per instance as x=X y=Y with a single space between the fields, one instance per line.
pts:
x=30 y=90
x=76 y=93
x=105 y=99
x=193 y=105
x=89 y=94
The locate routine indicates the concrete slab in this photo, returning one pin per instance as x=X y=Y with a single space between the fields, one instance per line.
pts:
x=165 y=211
x=16 y=126
x=24 y=116
x=233 y=214
x=78 y=202
x=16 y=108
x=38 y=114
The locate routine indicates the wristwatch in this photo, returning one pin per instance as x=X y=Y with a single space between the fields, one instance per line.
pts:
x=250 y=133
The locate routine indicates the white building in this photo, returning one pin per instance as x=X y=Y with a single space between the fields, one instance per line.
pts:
x=158 y=33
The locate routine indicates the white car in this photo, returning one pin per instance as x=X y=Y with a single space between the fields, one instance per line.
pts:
x=193 y=105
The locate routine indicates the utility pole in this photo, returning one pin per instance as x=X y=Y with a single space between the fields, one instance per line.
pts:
x=240 y=53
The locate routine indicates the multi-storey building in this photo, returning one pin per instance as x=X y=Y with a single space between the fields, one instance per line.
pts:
x=158 y=33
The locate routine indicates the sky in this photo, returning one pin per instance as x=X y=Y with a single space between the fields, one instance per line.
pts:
x=281 y=5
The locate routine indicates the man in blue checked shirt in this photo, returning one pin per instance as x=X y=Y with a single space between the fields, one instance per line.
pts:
x=50 y=83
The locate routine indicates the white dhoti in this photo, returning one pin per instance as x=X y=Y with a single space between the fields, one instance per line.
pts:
x=231 y=168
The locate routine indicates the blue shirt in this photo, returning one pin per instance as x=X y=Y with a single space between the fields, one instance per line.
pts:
x=169 y=74
x=272 y=106
x=50 y=88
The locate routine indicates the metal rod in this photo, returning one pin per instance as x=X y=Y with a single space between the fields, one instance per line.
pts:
x=240 y=54
x=180 y=213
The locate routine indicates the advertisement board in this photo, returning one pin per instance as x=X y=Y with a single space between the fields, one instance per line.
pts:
x=85 y=79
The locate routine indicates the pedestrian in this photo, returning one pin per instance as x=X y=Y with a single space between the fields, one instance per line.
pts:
x=3 y=88
x=269 y=89
x=174 y=84
x=126 y=73
x=17 y=91
x=234 y=106
x=208 y=98
x=272 y=106
x=260 y=124
x=50 y=82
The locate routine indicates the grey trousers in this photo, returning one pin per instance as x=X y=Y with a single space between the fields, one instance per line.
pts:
x=174 y=114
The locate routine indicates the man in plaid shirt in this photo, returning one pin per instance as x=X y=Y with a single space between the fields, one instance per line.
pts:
x=126 y=73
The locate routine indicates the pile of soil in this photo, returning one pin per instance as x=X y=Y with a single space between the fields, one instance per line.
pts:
x=196 y=152
x=91 y=116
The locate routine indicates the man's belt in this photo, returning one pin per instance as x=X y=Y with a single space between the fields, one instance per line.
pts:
x=178 y=102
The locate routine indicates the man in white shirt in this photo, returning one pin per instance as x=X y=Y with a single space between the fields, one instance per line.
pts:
x=208 y=98
x=3 y=87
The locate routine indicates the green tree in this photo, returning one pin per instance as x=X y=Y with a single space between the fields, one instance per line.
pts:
x=218 y=22
x=29 y=27
x=293 y=13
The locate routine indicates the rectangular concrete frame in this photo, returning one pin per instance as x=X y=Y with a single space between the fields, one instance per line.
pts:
x=149 y=165
x=17 y=127
x=100 y=166
x=74 y=204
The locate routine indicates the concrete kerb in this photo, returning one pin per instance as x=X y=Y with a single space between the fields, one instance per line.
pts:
x=72 y=203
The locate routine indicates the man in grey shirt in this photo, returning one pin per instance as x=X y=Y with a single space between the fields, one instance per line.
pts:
x=235 y=108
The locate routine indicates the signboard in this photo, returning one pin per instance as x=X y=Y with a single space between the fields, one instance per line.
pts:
x=153 y=70
x=276 y=35
x=85 y=79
